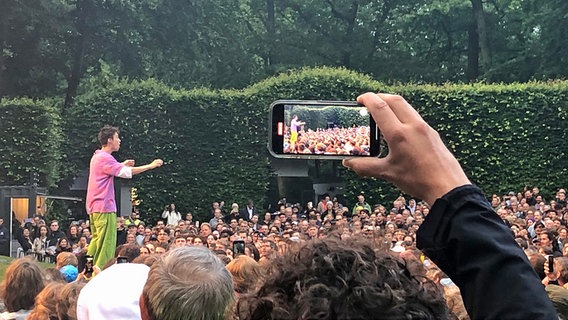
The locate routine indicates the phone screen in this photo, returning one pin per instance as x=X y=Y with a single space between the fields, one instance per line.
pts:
x=121 y=260
x=89 y=264
x=238 y=247
x=322 y=129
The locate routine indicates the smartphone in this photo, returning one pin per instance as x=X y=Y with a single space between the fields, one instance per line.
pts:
x=550 y=263
x=88 y=264
x=238 y=248
x=307 y=129
x=121 y=259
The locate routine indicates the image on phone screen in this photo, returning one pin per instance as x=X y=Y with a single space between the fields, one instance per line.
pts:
x=320 y=129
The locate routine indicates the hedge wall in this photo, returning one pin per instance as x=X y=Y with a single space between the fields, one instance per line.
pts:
x=30 y=136
x=214 y=142
x=505 y=136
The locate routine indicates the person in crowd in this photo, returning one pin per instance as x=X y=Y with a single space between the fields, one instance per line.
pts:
x=40 y=244
x=131 y=238
x=140 y=233
x=102 y=298
x=4 y=239
x=62 y=246
x=333 y=271
x=55 y=234
x=53 y=274
x=188 y=283
x=362 y=204
x=217 y=218
x=22 y=282
x=83 y=244
x=67 y=300
x=189 y=219
x=134 y=218
x=205 y=230
x=73 y=234
x=233 y=214
x=86 y=232
x=246 y=273
x=451 y=293
x=65 y=259
x=558 y=293
x=248 y=211
x=101 y=205
x=461 y=220
x=120 y=231
x=46 y=302
x=163 y=235
x=171 y=215
x=26 y=242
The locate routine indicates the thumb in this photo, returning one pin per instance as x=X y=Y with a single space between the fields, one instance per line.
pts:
x=367 y=167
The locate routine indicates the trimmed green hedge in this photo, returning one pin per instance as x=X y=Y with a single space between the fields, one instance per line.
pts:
x=30 y=136
x=505 y=136
x=214 y=142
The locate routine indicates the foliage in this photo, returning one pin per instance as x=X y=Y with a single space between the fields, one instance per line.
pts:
x=30 y=133
x=51 y=45
x=213 y=142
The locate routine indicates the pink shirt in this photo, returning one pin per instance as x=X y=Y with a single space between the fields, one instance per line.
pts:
x=100 y=190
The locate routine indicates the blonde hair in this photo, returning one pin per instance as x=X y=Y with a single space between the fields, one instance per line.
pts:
x=246 y=273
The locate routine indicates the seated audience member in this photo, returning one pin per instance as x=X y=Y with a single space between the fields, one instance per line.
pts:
x=188 y=283
x=67 y=300
x=46 y=302
x=22 y=282
x=66 y=258
x=246 y=273
x=109 y=296
x=341 y=279
x=53 y=275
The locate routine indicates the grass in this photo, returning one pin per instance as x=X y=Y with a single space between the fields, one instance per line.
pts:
x=5 y=262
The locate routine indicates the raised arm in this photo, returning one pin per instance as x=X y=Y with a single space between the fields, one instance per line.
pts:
x=462 y=234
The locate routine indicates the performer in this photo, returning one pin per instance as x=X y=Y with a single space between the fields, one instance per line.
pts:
x=101 y=205
x=294 y=126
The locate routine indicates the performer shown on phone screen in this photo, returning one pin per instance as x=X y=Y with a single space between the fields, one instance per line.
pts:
x=295 y=125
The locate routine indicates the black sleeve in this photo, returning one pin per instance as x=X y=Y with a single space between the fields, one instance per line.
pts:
x=470 y=243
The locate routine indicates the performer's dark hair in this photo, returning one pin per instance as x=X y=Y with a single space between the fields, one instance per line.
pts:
x=107 y=132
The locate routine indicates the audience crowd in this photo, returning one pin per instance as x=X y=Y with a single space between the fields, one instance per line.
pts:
x=333 y=141
x=327 y=240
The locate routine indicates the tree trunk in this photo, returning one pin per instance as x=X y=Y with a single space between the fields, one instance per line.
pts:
x=271 y=32
x=472 y=72
x=77 y=65
x=479 y=18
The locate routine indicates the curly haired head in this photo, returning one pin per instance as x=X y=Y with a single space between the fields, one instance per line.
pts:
x=335 y=279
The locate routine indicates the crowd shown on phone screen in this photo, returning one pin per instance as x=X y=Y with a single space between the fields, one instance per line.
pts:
x=450 y=254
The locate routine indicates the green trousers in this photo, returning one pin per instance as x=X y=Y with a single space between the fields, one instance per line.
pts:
x=103 y=242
